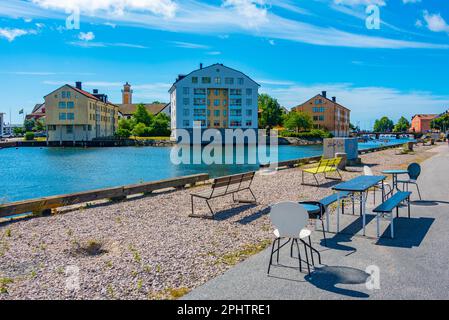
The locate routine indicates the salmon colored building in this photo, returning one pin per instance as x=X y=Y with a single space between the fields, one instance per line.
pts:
x=421 y=122
x=327 y=114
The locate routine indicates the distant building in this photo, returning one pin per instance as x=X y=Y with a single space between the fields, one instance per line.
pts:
x=127 y=107
x=327 y=114
x=38 y=112
x=1 y=124
x=73 y=114
x=8 y=129
x=421 y=122
x=215 y=97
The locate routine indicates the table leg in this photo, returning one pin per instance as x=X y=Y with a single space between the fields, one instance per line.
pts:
x=338 y=212
x=362 y=204
x=327 y=219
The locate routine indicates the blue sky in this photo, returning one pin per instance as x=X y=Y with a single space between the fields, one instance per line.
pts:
x=294 y=49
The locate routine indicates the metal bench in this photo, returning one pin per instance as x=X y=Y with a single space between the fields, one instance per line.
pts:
x=324 y=166
x=223 y=186
x=389 y=205
x=327 y=201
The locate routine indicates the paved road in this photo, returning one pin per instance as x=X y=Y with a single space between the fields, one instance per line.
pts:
x=414 y=265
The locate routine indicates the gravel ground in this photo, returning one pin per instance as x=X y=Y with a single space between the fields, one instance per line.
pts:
x=148 y=247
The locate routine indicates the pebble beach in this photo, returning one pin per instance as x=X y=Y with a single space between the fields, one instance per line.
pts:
x=148 y=247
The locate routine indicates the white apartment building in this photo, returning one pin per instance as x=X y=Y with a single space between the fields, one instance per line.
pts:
x=215 y=97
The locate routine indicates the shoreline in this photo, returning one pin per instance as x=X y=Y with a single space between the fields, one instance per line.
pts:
x=148 y=247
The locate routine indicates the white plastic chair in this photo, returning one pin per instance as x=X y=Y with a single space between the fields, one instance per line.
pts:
x=368 y=172
x=290 y=219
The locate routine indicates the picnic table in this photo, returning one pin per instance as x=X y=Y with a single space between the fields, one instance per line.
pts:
x=360 y=185
x=394 y=174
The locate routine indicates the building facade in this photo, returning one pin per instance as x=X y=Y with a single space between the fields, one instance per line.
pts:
x=214 y=97
x=127 y=107
x=73 y=114
x=327 y=114
x=421 y=122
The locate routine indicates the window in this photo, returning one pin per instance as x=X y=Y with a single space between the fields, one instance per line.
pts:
x=63 y=95
x=249 y=113
x=216 y=92
x=236 y=92
x=225 y=113
x=51 y=127
x=186 y=123
x=194 y=79
x=236 y=102
x=199 y=91
x=199 y=101
x=70 y=105
x=185 y=90
x=236 y=123
x=217 y=80
x=249 y=92
x=225 y=123
x=225 y=102
x=249 y=102
x=217 y=113
x=216 y=123
x=69 y=129
x=229 y=80
x=70 y=116
x=62 y=116
x=321 y=118
x=208 y=102
x=89 y=127
x=186 y=112
x=249 y=123
x=318 y=101
x=199 y=112
x=62 y=105
x=68 y=94
x=240 y=81
x=205 y=80
x=235 y=113
x=315 y=118
x=208 y=113
x=186 y=101
x=217 y=102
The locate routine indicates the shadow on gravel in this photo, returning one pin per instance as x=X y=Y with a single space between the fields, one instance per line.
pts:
x=428 y=203
x=229 y=213
x=327 y=278
x=254 y=216
x=325 y=185
x=409 y=233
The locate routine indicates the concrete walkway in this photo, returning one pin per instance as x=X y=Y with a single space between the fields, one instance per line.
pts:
x=414 y=265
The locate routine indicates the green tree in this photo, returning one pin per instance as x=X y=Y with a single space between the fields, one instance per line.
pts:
x=402 y=126
x=161 y=125
x=141 y=115
x=39 y=125
x=271 y=111
x=352 y=127
x=18 y=131
x=139 y=130
x=123 y=133
x=383 y=125
x=28 y=124
x=441 y=123
x=298 y=121
x=126 y=124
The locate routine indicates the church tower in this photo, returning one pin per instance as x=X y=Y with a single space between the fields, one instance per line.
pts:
x=127 y=94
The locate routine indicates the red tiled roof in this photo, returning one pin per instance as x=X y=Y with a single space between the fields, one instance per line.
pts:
x=87 y=94
x=426 y=116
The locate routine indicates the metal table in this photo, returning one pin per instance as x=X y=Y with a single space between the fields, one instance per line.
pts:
x=394 y=174
x=361 y=185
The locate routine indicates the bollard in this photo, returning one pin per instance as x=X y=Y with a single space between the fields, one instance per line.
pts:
x=344 y=157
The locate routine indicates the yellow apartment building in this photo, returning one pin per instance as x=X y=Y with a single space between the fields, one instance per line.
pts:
x=327 y=114
x=75 y=115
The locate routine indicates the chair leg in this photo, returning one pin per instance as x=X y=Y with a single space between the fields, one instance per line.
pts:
x=307 y=256
x=271 y=256
x=374 y=193
x=408 y=202
x=255 y=200
x=192 y=205
x=311 y=252
x=299 y=255
x=210 y=208
x=419 y=193
x=324 y=232
x=317 y=182
x=302 y=177
x=277 y=253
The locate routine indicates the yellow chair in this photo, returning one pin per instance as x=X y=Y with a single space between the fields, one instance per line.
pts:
x=324 y=166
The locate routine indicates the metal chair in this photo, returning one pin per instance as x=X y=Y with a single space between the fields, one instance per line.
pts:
x=368 y=172
x=414 y=171
x=290 y=220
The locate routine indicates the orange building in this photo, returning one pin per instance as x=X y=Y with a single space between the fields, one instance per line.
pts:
x=327 y=114
x=421 y=122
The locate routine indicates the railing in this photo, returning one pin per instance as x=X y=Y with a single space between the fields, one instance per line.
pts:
x=118 y=193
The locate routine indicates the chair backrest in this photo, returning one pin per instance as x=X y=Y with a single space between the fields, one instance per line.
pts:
x=323 y=163
x=414 y=170
x=367 y=171
x=289 y=218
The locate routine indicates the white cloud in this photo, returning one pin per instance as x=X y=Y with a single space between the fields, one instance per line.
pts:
x=11 y=34
x=166 y=8
x=86 y=36
x=411 y=1
x=253 y=11
x=214 y=53
x=360 y=2
x=272 y=42
x=189 y=45
x=366 y=103
x=435 y=22
x=93 y=44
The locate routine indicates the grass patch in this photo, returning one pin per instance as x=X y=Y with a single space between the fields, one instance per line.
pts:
x=248 y=250
x=170 y=294
x=89 y=248
x=4 y=284
x=150 y=138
